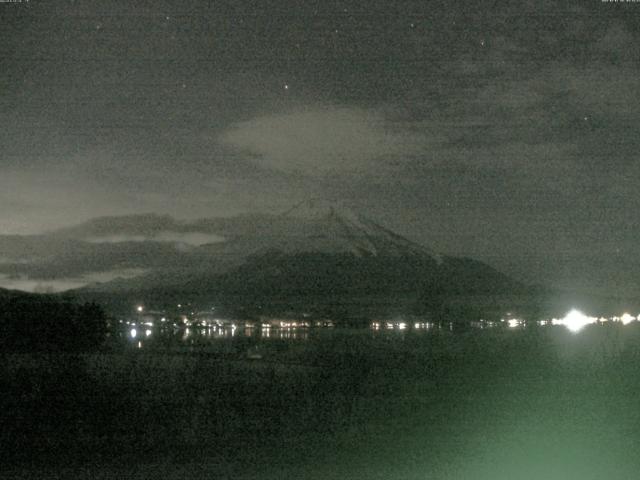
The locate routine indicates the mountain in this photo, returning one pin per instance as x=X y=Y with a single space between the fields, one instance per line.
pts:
x=316 y=250
x=318 y=226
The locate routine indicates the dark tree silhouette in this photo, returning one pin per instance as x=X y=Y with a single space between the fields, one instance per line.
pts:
x=44 y=323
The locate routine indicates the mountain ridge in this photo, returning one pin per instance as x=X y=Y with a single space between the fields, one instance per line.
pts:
x=314 y=248
x=321 y=251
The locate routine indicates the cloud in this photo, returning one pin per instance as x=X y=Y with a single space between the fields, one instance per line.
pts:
x=542 y=122
x=43 y=198
x=322 y=140
x=29 y=284
x=186 y=238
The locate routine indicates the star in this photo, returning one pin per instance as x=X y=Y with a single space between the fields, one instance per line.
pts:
x=286 y=86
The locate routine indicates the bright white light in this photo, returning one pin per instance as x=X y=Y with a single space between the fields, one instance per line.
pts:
x=133 y=333
x=626 y=318
x=147 y=332
x=576 y=320
x=402 y=326
x=514 y=322
x=140 y=308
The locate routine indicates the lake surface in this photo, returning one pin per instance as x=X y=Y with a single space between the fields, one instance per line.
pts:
x=443 y=403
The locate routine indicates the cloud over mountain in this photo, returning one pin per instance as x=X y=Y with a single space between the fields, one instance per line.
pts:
x=322 y=140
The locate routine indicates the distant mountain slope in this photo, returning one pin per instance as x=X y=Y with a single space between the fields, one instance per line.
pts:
x=321 y=273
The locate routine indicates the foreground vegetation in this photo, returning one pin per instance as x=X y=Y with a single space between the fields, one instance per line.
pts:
x=43 y=323
x=539 y=403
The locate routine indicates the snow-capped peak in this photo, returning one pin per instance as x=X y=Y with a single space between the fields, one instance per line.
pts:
x=333 y=227
x=318 y=208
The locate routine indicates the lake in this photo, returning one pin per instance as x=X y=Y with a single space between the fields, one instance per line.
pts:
x=444 y=403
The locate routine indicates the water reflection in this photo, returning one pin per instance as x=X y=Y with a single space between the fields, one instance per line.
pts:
x=208 y=335
x=401 y=325
x=186 y=334
x=168 y=334
x=515 y=323
x=575 y=320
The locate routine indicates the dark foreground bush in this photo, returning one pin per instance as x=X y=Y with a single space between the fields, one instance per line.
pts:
x=33 y=323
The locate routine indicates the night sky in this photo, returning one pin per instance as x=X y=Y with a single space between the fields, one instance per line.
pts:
x=504 y=131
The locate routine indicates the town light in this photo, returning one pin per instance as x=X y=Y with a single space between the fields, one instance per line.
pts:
x=576 y=320
x=626 y=318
